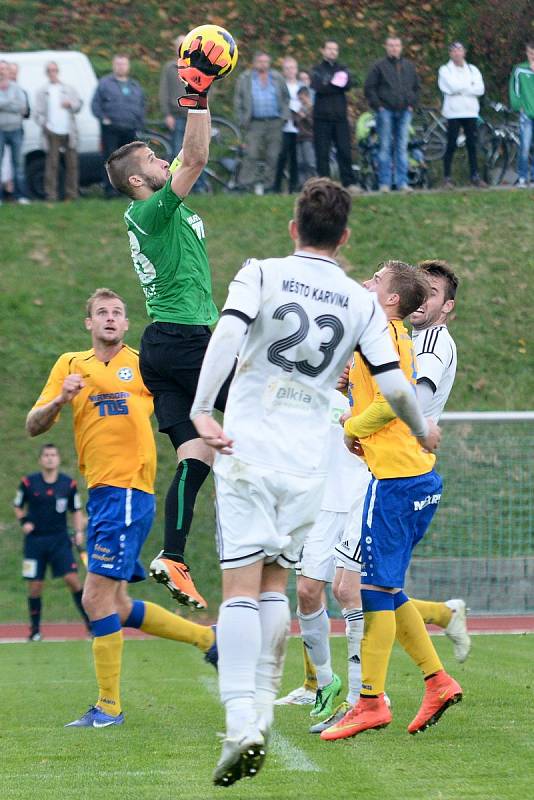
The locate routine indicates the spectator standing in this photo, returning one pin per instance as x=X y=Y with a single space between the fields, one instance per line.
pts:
x=305 y=80
x=392 y=91
x=522 y=100
x=462 y=85
x=56 y=106
x=261 y=106
x=331 y=81
x=305 y=148
x=13 y=73
x=288 y=153
x=119 y=104
x=12 y=110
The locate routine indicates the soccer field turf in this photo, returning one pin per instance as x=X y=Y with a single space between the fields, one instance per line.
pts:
x=482 y=748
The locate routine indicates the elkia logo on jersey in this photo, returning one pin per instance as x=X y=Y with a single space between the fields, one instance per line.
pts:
x=285 y=393
x=112 y=404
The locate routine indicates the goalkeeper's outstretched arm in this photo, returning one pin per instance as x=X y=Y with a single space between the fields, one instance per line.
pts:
x=195 y=151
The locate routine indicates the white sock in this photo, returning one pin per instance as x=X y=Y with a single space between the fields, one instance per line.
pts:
x=315 y=630
x=239 y=644
x=354 y=631
x=275 y=621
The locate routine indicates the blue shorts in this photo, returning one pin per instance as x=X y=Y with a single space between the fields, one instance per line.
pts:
x=41 y=551
x=119 y=522
x=396 y=515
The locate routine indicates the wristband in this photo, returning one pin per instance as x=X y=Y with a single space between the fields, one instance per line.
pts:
x=23 y=521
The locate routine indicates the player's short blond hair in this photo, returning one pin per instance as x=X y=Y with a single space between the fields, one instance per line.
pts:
x=103 y=294
x=409 y=282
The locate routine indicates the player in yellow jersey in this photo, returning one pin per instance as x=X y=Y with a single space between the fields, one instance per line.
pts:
x=117 y=455
x=401 y=500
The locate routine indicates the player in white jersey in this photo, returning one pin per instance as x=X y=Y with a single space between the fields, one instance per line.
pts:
x=293 y=323
x=317 y=567
x=436 y=368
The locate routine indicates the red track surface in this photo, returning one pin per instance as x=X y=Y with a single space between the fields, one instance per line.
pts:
x=70 y=631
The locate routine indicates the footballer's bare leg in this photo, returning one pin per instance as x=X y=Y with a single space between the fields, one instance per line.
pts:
x=195 y=459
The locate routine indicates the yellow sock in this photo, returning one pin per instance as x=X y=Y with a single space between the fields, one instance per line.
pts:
x=413 y=636
x=107 y=653
x=378 y=639
x=160 y=622
x=433 y=613
x=310 y=675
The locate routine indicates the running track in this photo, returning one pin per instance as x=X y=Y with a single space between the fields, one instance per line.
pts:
x=72 y=631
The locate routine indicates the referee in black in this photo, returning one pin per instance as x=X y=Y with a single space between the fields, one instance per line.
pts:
x=41 y=505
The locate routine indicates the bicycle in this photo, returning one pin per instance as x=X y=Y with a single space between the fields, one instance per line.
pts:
x=368 y=144
x=226 y=151
x=499 y=144
x=430 y=129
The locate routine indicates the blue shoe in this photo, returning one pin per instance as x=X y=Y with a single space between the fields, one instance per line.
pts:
x=95 y=718
x=212 y=655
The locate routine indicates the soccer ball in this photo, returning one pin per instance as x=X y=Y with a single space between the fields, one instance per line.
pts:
x=221 y=37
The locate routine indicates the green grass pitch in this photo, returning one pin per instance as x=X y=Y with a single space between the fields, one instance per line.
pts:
x=482 y=748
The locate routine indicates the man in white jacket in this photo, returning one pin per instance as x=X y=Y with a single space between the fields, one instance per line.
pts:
x=55 y=107
x=462 y=85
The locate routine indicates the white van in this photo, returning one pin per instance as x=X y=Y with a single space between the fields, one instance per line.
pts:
x=76 y=70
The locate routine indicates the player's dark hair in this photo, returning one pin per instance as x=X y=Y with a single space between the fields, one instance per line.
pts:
x=439 y=268
x=48 y=446
x=321 y=213
x=122 y=164
x=103 y=294
x=409 y=282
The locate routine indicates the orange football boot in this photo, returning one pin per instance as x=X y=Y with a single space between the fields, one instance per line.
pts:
x=370 y=713
x=441 y=691
x=176 y=577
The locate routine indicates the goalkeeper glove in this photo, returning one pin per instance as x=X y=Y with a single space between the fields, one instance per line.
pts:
x=198 y=72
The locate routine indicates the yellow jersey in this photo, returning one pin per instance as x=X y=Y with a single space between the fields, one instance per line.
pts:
x=393 y=451
x=111 y=416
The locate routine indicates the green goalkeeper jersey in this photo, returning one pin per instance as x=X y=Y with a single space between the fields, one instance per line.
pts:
x=169 y=256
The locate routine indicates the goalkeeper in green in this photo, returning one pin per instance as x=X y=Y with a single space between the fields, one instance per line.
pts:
x=168 y=250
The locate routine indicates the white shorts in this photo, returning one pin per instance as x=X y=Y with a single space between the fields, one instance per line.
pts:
x=348 y=552
x=262 y=514
x=317 y=559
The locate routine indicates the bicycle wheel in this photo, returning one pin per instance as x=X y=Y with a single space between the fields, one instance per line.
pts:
x=226 y=152
x=435 y=144
x=496 y=162
x=160 y=144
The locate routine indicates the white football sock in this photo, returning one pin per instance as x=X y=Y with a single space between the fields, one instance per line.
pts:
x=275 y=621
x=315 y=630
x=354 y=631
x=239 y=644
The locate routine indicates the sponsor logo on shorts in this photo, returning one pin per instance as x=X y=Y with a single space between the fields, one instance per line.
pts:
x=429 y=500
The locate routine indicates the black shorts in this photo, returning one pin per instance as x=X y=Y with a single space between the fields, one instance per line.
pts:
x=40 y=551
x=171 y=356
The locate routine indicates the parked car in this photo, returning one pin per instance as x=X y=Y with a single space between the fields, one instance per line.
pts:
x=75 y=69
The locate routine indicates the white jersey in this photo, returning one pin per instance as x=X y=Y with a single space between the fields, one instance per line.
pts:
x=306 y=317
x=344 y=468
x=435 y=351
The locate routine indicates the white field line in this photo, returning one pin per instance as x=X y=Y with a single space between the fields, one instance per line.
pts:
x=292 y=757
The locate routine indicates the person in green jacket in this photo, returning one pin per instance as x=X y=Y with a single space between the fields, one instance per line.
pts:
x=522 y=99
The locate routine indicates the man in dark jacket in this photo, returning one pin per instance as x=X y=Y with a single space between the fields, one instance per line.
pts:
x=331 y=81
x=119 y=104
x=392 y=91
